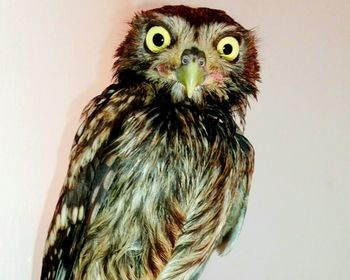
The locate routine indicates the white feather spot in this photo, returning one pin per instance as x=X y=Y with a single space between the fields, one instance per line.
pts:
x=94 y=211
x=108 y=180
x=52 y=237
x=95 y=194
x=58 y=222
x=103 y=99
x=80 y=129
x=81 y=213
x=68 y=231
x=64 y=216
x=74 y=214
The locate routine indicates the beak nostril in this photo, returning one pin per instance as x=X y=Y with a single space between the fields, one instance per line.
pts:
x=185 y=60
x=201 y=61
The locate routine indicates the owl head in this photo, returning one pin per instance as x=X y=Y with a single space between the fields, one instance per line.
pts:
x=197 y=55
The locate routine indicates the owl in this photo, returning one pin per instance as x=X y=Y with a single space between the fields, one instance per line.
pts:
x=160 y=171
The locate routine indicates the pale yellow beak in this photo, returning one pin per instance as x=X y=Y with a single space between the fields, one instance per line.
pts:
x=190 y=75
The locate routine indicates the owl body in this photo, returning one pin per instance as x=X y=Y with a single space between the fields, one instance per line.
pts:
x=160 y=171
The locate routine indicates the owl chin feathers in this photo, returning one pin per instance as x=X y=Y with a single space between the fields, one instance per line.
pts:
x=179 y=94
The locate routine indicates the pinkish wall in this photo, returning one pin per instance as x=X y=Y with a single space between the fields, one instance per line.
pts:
x=56 y=55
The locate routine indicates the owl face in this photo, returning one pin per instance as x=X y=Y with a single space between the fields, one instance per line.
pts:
x=195 y=54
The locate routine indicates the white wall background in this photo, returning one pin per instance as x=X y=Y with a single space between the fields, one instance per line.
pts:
x=57 y=55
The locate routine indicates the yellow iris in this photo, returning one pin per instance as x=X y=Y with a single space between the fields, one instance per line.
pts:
x=228 y=48
x=157 y=39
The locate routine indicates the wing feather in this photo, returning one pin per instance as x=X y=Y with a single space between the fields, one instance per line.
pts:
x=84 y=188
x=245 y=168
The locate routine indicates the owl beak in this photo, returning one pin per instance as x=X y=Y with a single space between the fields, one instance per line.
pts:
x=191 y=73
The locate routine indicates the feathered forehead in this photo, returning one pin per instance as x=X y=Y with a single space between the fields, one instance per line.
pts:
x=195 y=16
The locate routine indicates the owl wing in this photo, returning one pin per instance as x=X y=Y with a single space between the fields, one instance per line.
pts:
x=86 y=184
x=245 y=167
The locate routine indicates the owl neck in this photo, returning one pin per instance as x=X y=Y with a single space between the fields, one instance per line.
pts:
x=136 y=83
x=128 y=78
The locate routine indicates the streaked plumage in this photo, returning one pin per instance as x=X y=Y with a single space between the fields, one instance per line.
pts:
x=160 y=171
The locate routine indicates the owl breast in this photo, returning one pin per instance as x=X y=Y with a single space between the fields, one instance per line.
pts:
x=167 y=154
x=165 y=161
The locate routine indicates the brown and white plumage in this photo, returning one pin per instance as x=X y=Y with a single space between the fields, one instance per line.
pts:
x=160 y=172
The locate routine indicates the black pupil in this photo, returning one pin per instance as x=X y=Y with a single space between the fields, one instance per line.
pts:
x=158 y=39
x=227 y=49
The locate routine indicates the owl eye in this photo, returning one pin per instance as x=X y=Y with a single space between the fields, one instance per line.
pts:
x=157 y=39
x=228 y=48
